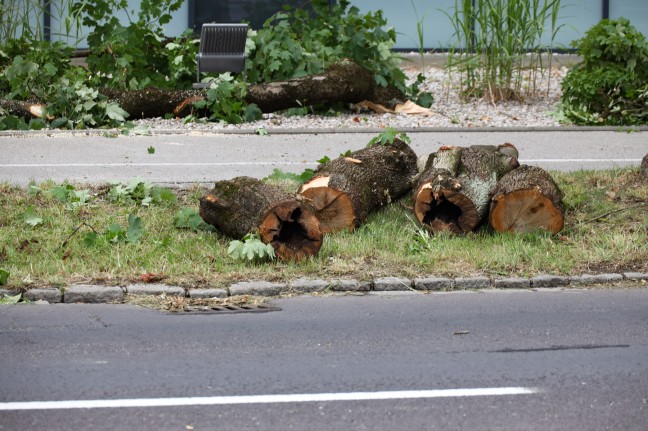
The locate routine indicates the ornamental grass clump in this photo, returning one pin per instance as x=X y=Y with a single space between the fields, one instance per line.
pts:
x=497 y=41
x=610 y=85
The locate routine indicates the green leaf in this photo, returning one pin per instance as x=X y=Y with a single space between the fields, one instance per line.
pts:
x=135 y=229
x=31 y=218
x=10 y=300
x=188 y=218
x=4 y=276
x=115 y=233
x=324 y=159
x=115 y=112
x=90 y=239
x=261 y=131
x=151 y=150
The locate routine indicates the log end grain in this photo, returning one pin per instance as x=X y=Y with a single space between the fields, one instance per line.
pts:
x=444 y=210
x=293 y=231
x=524 y=211
x=332 y=208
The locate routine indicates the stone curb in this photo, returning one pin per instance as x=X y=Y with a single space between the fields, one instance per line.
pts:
x=381 y=286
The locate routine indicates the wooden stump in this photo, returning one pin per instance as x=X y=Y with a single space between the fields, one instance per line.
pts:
x=644 y=167
x=452 y=194
x=346 y=190
x=527 y=199
x=243 y=204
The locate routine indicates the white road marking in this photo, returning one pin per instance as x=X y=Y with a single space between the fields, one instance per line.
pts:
x=272 y=163
x=265 y=399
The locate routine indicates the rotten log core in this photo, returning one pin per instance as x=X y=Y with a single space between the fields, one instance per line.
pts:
x=243 y=204
x=293 y=232
x=452 y=192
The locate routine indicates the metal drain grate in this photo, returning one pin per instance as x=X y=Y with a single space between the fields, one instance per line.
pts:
x=225 y=309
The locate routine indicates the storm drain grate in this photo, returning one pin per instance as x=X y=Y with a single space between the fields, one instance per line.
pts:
x=225 y=309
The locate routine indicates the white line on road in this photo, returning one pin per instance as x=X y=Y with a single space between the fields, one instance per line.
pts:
x=265 y=399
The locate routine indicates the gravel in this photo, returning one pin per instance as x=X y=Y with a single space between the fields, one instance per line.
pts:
x=448 y=110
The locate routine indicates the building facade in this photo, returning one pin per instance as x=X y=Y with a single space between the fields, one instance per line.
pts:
x=575 y=18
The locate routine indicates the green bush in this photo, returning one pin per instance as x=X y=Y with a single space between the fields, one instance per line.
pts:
x=610 y=85
x=295 y=43
x=42 y=72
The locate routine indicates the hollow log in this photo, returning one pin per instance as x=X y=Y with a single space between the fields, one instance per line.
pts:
x=525 y=200
x=452 y=194
x=243 y=204
x=346 y=190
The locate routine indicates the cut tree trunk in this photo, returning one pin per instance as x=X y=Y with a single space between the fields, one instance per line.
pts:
x=346 y=190
x=452 y=193
x=644 y=167
x=525 y=200
x=344 y=81
x=243 y=204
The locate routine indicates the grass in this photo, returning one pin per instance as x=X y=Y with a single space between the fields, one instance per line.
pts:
x=606 y=231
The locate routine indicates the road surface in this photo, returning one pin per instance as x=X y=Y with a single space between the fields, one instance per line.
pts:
x=499 y=360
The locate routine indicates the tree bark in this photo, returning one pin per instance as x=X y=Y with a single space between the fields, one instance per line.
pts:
x=525 y=200
x=243 y=204
x=344 y=81
x=644 y=167
x=452 y=193
x=346 y=190
x=19 y=108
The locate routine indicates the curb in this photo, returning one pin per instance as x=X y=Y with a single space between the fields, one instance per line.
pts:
x=322 y=131
x=97 y=294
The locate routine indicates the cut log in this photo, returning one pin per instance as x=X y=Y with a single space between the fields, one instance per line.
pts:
x=344 y=81
x=243 y=204
x=452 y=194
x=644 y=167
x=346 y=190
x=525 y=200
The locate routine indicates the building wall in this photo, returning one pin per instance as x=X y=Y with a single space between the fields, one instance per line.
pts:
x=576 y=17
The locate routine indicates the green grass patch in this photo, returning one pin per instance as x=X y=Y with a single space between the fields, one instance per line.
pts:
x=46 y=241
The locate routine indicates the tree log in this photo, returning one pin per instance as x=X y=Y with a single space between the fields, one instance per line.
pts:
x=346 y=190
x=243 y=204
x=527 y=199
x=452 y=193
x=345 y=81
x=19 y=108
x=644 y=167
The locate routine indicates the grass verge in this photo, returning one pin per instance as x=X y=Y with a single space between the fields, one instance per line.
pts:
x=47 y=242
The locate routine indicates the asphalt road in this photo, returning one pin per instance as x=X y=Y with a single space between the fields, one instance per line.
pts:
x=564 y=360
x=186 y=159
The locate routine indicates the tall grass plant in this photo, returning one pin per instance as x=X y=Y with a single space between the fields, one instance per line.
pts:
x=497 y=41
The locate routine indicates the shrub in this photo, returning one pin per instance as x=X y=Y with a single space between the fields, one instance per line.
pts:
x=610 y=85
x=296 y=42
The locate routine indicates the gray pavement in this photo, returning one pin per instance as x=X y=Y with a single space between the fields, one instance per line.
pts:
x=580 y=354
x=184 y=159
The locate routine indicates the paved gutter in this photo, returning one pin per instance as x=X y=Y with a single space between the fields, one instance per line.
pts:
x=89 y=293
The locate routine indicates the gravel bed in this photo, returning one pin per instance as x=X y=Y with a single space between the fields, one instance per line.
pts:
x=448 y=110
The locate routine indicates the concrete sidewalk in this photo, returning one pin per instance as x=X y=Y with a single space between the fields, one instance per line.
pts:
x=182 y=158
